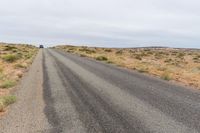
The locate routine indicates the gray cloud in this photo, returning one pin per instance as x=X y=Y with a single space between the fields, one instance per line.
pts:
x=111 y=23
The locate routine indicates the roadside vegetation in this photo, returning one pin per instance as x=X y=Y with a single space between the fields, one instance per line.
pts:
x=170 y=64
x=14 y=61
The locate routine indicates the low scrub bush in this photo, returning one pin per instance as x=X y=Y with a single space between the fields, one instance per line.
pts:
x=9 y=48
x=20 y=66
x=196 y=58
x=10 y=58
x=101 y=58
x=143 y=70
x=1 y=69
x=19 y=75
x=158 y=55
x=143 y=54
x=180 y=55
x=166 y=76
x=108 y=50
x=119 y=52
x=88 y=51
x=5 y=101
x=7 y=84
x=138 y=57
x=110 y=62
x=162 y=68
x=70 y=51
x=82 y=55
x=150 y=53
x=2 y=76
x=174 y=53
x=168 y=60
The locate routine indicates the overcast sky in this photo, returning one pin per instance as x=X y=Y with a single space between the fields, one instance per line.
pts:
x=110 y=23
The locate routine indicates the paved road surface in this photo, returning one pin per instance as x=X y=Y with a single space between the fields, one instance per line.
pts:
x=71 y=94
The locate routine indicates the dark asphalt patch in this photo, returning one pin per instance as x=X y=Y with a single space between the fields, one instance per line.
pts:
x=49 y=110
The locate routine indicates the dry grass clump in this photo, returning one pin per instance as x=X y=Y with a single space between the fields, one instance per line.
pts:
x=10 y=57
x=7 y=84
x=166 y=76
x=101 y=58
x=181 y=65
x=5 y=101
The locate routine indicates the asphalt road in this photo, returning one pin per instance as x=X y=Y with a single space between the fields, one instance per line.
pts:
x=71 y=94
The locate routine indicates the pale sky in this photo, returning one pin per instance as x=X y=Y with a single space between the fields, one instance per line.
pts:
x=109 y=23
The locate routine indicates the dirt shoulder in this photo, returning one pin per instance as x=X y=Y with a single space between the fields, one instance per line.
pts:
x=172 y=64
x=27 y=114
x=15 y=60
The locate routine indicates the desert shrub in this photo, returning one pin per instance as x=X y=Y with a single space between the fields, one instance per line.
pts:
x=88 y=51
x=146 y=50
x=20 y=66
x=162 y=68
x=158 y=55
x=180 y=55
x=174 y=53
x=166 y=76
x=110 y=62
x=82 y=55
x=70 y=51
x=108 y=50
x=131 y=51
x=25 y=51
x=119 y=52
x=138 y=57
x=143 y=54
x=150 y=53
x=2 y=76
x=19 y=75
x=82 y=49
x=1 y=69
x=197 y=61
x=14 y=50
x=101 y=58
x=195 y=58
x=7 y=84
x=9 y=48
x=143 y=70
x=10 y=57
x=19 y=55
x=161 y=53
x=168 y=60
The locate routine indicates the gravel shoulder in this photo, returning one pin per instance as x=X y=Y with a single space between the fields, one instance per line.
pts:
x=26 y=115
